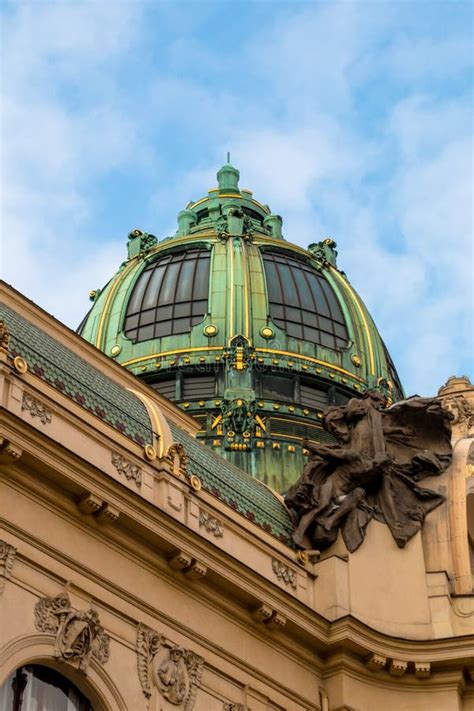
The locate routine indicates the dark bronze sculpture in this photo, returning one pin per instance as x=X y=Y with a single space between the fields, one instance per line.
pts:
x=372 y=471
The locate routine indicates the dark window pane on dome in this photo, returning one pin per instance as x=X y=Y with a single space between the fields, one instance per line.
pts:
x=181 y=310
x=145 y=332
x=135 y=302
x=164 y=313
x=277 y=312
x=340 y=331
x=181 y=325
x=310 y=318
x=327 y=340
x=201 y=277
x=185 y=285
x=132 y=322
x=153 y=288
x=168 y=287
x=312 y=335
x=162 y=328
x=298 y=295
x=273 y=282
x=277 y=387
x=318 y=295
x=295 y=330
x=147 y=317
x=326 y=324
x=199 y=307
x=167 y=294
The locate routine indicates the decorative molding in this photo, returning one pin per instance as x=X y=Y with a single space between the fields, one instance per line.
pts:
x=211 y=524
x=4 y=336
x=376 y=662
x=176 y=672
x=284 y=573
x=269 y=617
x=177 y=457
x=129 y=470
x=36 y=409
x=397 y=667
x=229 y=706
x=9 y=452
x=78 y=633
x=7 y=556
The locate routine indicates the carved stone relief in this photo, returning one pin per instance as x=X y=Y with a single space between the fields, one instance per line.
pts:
x=79 y=634
x=372 y=471
x=461 y=412
x=284 y=573
x=176 y=672
x=7 y=556
x=211 y=524
x=233 y=707
x=131 y=472
x=36 y=409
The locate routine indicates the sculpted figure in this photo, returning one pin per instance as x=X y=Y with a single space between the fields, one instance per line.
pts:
x=76 y=635
x=371 y=471
x=172 y=677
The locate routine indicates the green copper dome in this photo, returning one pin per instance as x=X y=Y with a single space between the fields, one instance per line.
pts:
x=252 y=335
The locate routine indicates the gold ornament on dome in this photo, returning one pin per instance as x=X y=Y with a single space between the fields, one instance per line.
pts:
x=357 y=360
x=267 y=332
x=210 y=330
x=115 y=350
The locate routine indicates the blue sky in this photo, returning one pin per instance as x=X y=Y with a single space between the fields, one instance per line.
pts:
x=350 y=119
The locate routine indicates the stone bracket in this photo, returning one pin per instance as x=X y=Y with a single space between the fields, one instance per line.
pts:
x=192 y=568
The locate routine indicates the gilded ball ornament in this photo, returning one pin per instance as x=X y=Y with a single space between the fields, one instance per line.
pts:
x=267 y=332
x=210 y=330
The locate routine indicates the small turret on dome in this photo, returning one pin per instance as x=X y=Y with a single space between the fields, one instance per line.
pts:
x=228 y=178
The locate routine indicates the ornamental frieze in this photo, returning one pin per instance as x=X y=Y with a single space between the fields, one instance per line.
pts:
x=7 y=556
x=284 y=573
x=131 y=472
x=173 y=671
x=211 y=524
x=36 y=409
x=78 y=633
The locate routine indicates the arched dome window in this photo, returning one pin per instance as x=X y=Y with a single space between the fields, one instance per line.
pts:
x=302 y=302
x=38 y=688
x=170 y=296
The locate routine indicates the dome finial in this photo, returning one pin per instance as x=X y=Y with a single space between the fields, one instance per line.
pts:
x=228 y=178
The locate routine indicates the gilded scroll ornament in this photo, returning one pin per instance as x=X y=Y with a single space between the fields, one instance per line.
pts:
x=7 y=556
x=373 y=471
x=4 y=335
x=176 y=672
x=36 y=409
x=79 y=634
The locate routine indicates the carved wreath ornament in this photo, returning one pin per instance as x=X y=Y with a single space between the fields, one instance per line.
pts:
x=79 y=634
x=174 y=671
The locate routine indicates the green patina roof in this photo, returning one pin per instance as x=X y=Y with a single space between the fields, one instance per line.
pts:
x=105 y=398
x=236 y=488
